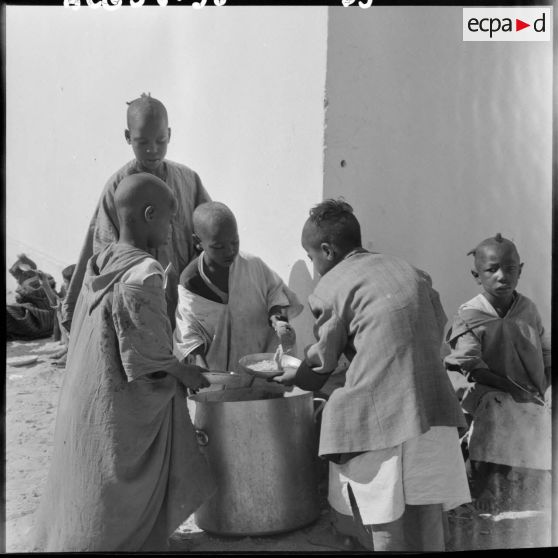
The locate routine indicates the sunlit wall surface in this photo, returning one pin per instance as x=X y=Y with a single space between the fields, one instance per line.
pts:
x=440 y=143
x=244 y=89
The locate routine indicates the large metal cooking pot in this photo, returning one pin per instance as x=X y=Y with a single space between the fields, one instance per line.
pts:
x=262 y=448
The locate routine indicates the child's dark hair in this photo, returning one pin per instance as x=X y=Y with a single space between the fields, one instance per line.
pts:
x=492 y=241
x=68 y=271
x=146 y=104
x=336 y=223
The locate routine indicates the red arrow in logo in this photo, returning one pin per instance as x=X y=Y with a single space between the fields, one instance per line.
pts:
x=519 y=25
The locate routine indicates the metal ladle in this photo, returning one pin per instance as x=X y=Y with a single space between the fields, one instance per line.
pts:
x=278 y=357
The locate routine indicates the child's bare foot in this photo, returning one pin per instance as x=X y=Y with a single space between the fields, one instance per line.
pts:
x=490 y=490
x=60 y=354
x=486 y=502
x=328 y=536
x=61 y=360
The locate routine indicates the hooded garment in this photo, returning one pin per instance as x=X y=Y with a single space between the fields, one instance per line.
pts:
x=126 y=470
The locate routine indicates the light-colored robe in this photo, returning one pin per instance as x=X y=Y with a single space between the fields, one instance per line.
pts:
x=126 y=469
x=514 y=346
x=103 y=229
x=239 y=324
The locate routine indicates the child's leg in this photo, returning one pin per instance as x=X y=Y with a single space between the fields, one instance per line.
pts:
x=488 y=481
x=60 y=356
x=533 y=488
x=384 y=537
x=377 y=493
x=447 y=532
x=350 y=534
x=419 y=529
x=424 y=528
x=390 y=536
x=480 y=471
x=56 y=333
x=463 y=434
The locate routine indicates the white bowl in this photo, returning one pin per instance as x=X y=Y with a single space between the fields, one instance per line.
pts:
x=255 y=364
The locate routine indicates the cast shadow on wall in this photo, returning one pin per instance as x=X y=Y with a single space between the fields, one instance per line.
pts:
x=303 y=284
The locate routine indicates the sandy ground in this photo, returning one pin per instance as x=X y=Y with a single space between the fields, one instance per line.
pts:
x=31 y=400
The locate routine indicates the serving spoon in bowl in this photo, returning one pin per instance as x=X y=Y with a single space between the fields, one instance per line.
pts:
x=278 y=356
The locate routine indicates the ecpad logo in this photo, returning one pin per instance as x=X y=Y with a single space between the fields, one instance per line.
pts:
x=507 y=24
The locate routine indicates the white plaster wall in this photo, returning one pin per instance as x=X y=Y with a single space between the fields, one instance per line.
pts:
x=244 y=89
x=445 y=142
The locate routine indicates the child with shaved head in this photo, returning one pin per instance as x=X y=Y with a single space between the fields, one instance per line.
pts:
x=390 y=432
x=126 y=470
x=230 y=303
x=148 y=134
x=499 y=343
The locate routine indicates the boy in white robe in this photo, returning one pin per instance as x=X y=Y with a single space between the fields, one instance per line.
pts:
x=230 y=303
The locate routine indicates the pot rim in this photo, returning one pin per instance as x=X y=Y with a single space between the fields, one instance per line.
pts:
x=299 y=393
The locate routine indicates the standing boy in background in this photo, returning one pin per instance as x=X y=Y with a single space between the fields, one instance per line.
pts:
x=390 y=433
x=56 y=299
x=230 y=303
x=126 y=469
x=149 y=134
x=499 y=344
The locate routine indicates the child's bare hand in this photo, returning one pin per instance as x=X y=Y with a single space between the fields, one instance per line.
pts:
x=287 y=377
x=520 y=396
x=193 y=377
x=286 y=334
x=529 y=395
